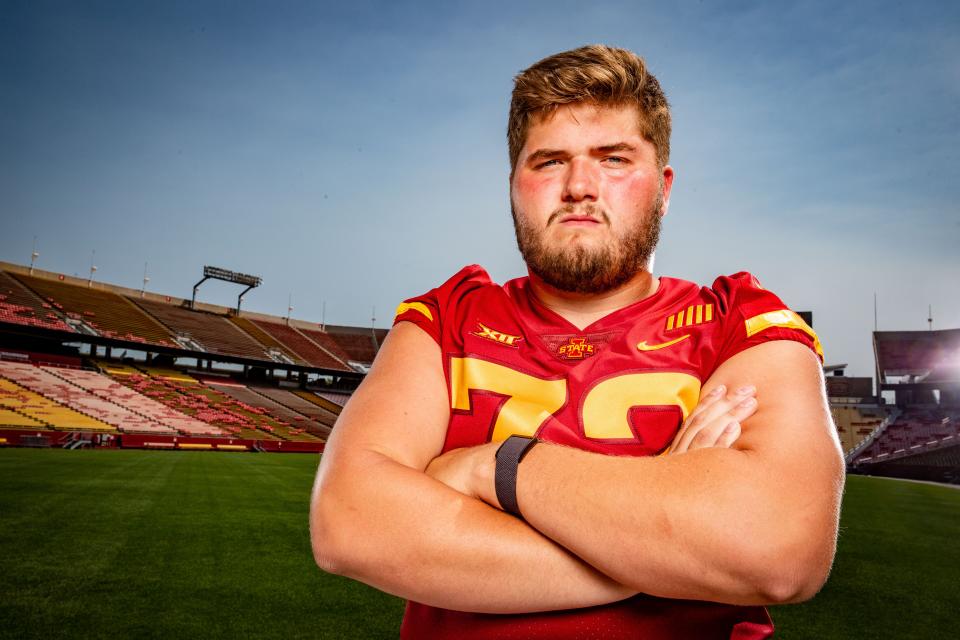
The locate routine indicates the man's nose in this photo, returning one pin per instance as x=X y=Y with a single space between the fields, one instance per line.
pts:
x=582 y=181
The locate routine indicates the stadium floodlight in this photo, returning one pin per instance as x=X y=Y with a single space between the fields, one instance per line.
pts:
x=34 y=255
x=216 y=273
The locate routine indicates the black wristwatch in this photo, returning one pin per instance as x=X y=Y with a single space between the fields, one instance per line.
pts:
x=509 y=455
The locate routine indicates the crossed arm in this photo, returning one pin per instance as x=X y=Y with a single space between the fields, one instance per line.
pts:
x=753 y=523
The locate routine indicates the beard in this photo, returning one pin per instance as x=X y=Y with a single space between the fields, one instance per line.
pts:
x=576 y=268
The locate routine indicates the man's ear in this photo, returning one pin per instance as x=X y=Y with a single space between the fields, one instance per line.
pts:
x=667 y=186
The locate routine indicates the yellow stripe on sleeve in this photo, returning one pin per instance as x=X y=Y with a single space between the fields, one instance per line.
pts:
x=783 y=318
x=414 y=306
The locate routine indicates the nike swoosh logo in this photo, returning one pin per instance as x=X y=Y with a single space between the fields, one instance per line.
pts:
x=643 y=346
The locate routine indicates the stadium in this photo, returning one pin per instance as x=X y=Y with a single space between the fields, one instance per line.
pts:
x=159 y=443
x=126 y=388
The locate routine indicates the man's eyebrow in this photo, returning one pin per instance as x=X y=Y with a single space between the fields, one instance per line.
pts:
x=619 y=146
x=545 y=154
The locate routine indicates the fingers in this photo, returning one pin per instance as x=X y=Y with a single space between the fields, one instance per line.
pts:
x=729 y=435
x=707 y=401
x=716 y=420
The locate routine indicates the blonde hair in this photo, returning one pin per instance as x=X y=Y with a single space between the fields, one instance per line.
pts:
x=606 y=76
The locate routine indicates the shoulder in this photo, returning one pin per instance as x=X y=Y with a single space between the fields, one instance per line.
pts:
x=428 y=310
x=734 y=290
x=754 y=314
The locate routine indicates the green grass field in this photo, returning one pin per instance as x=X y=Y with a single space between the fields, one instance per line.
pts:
x=199 y=544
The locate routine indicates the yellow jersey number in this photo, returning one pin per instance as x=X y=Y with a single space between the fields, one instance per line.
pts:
x=531 y=401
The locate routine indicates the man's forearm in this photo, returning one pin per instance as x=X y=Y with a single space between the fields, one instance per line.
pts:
x=396 y=529
x=684 y=526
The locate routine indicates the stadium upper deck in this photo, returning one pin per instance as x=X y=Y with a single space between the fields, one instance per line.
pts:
x=114 y=316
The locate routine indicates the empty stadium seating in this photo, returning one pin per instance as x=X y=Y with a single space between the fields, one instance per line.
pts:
x=360 y=345
x=302 y=406
x=212 y=332
x=297 y=424
x=43 y=410
x=326 y=341
x=11 y=418
x=265 y=338
x=917 y=429
x=56 y=388
x=340 y=399
x=187 y=395
x=18 y=305
x=106 y=388
x=302 y=346
x=109 y=314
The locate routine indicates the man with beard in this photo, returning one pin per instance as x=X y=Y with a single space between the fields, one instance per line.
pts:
x=591 y=450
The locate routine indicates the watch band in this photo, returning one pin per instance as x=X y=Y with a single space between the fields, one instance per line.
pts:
x=508 y=457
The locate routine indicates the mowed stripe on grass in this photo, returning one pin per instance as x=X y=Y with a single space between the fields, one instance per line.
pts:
x=202 y=544
x=167 y=544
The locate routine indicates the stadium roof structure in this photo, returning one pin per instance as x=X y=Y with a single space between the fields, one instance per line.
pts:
x=924 y=356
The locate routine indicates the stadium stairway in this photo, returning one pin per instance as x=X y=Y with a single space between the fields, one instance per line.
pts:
x=872 y=437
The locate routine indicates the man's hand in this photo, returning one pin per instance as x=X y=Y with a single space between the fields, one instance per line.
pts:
x=715 y=422
x=468 y=470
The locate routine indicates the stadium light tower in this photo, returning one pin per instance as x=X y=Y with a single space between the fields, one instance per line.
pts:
x=289 y=307
x=93 y=268
x=34 y=255
x=226 y=275
x=143 y=291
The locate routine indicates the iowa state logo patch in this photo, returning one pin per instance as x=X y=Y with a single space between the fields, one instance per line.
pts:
x=575 y=346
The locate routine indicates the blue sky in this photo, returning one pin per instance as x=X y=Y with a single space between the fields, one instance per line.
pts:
x=355 y=155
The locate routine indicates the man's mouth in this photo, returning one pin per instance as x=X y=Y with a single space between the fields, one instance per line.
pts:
x=570 y=216
x=577 y=221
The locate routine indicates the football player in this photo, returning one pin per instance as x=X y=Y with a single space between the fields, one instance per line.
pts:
x=589 y=451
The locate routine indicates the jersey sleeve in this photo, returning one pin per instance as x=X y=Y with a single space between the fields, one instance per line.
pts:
x=431 y=310
x=754 y=315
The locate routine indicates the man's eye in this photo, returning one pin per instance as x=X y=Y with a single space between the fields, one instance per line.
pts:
x=547 y=163
x=615 y=160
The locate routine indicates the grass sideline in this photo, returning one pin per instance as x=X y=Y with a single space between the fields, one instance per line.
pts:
x=201 y=544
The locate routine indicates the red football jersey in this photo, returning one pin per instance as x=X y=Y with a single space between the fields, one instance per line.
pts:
x=622 y=385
